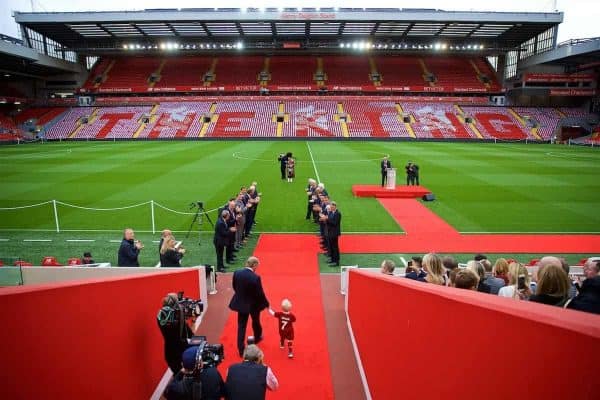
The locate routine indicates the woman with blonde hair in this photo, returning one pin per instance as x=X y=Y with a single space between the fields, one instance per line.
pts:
x=519 y=282
x=477 y=268
x=500 y=270
x=432 y=264
x=170 y=256
x=552 y=287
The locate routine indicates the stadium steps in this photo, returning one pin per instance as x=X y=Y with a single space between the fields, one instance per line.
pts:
x=343 y=124
x=143 y=125
x=213 y=120
x=409 y=128
x=461 y=118
x=80 y=126
x=426 y=72
x=158 y=73
x=286 y=118
x=105 y=74
x=266 y=69
x=320 y=71
x=212 y=71
x=373 y=67
x=533 y=131
x=479 y=74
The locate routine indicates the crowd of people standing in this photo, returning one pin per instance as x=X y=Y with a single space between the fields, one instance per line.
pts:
x=325 y=213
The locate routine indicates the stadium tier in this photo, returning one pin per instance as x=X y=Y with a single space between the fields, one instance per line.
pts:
x=369 y=117
x=292 y=73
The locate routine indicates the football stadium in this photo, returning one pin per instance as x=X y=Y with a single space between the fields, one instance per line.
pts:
x=397 y=198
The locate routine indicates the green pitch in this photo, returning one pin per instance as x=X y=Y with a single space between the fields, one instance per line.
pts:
x=480 y=187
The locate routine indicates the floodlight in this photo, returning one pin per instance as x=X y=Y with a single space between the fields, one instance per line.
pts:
x=125 y=46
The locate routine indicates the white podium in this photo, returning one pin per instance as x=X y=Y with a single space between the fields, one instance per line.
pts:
x=391 y=179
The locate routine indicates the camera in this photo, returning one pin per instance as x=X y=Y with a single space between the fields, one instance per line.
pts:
x=521 y=283
x=189 y=307
x=211 y=354
x=198 y=204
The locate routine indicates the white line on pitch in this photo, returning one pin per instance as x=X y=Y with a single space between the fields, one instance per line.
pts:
x=115 y=241
x=37 y=240
x=156 y=241
x=313 y=162
x=4 y=240
x=80 y=240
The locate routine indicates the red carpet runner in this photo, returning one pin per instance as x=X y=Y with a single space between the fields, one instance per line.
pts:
x=426 y=232
x=289 y=269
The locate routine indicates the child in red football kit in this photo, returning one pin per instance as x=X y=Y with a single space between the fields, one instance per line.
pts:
x=286 y=325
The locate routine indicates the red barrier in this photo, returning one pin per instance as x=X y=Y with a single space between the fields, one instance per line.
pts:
x=422 y=341
x=87 y=339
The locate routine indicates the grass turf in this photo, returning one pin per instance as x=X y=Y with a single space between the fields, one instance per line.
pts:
x=481 y=187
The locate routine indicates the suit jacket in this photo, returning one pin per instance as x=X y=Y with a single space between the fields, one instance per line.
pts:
x=128 y=254
x=221 y=233
x=249 y=295
x=383 y=168
x=334 y=220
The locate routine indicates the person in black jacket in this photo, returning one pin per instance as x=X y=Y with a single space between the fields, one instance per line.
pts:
x=129 y=250
x=283 y=158
x=170 y=256
x=250 y=379
x=221 y=238
x=196 y=381
x=334 y=219
x=385 y=165
x=175 y=331
x=248 y=301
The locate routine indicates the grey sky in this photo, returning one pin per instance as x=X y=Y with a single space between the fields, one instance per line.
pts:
x=580 y=16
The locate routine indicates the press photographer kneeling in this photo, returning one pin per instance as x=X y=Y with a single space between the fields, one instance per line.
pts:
x=172 y=321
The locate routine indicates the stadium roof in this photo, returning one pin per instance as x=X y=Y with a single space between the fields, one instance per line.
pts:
x=97 y=31
x=576 y=54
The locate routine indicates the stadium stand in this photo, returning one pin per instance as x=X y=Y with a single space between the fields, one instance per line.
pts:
x=374 y=118
x=400 y=71
x=544 y=120
x=348 y=72
x=130 y=74
x=244 y=119
x=437 y=120
x=175 y=120
x=456 y=74
x=181 y=73
x=497 y=123
x=113 y=122
x=312 y=119
x=290 y=72
x=237 y=73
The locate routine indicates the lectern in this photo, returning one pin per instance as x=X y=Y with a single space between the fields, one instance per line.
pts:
x=391 y=179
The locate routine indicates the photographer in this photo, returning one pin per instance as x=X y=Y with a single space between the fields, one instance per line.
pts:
x=196 y=380
x=175 y=331
x=250 y=379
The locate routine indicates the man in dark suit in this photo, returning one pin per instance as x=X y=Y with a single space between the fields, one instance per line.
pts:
x=334 y=219
x=221 y=238
x=232 y=228
x=129 y=250
x=385 y=165
x=248 y=300
x=283 y=163
x=410 y=173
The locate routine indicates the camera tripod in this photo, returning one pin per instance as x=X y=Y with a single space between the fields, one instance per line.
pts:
x=198 y=218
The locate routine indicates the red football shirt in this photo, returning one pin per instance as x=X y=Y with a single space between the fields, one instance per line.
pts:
x=286 y=324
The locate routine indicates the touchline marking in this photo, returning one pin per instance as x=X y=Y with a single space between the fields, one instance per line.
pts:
x=4 y=240
x=313 y=162
x=80 y=240
x=37 y=240
x=115 y=241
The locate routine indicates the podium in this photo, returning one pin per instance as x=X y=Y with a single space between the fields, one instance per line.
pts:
x=391 y=179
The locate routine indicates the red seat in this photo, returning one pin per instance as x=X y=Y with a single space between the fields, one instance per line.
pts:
x=1 y=263
x=22 y=263
x=533 y=262
x=50 y=261
x=74 y=261
x=582 y=261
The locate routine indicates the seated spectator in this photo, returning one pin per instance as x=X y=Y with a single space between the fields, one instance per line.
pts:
x=477 y=268
x=387 y=267
x=553 y=285
x=466 y=279
x=432 y=264
x=416 y=271
x=450 y=264
x=572 y=285
x=588 y=298
x=492 y=281
x=480 y=257
x=452 y=277
x=501 y=270
x=519 y=283
x=87 y=258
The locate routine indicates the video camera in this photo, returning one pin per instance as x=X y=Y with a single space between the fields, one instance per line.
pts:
x=198 y=204
x=189 y=307
x=211 y=354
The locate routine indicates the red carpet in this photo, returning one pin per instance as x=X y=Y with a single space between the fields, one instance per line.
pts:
x=427 y=232
x=289 y=269
x=401 y=191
